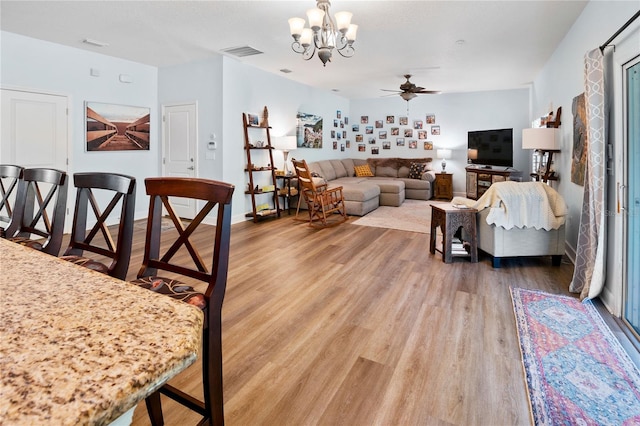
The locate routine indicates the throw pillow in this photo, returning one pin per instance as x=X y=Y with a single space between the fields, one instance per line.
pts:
x=415 y=170
x=363 y=171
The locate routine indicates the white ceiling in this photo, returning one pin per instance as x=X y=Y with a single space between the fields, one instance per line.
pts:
x=506 y=43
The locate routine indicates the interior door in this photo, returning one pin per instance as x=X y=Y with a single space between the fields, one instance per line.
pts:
x=34 y=131
x=180 y=135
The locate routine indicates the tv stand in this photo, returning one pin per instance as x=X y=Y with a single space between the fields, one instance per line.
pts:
x=479 y=179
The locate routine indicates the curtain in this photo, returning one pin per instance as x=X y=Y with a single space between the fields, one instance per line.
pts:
x=589 y=272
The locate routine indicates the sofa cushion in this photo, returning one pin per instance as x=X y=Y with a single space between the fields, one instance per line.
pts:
x=349 y=166
x=315 y=169
x=363 y=170
x=403 y=172
x=327 y=170
x=359 y=192
x=339 y=168
x=386 y=171
x=415 y=171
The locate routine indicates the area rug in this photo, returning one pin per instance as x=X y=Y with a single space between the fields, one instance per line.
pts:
x=577 y=372
x=412 y=215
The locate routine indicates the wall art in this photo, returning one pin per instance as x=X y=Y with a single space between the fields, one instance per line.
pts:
x=309 y=131
x=111 y=127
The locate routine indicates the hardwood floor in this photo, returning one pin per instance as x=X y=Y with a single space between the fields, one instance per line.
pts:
x=354 y=325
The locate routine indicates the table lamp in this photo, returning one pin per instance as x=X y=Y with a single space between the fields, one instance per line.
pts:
x=285 y=144
x=545 y=140
x=444 y=154
x=472 y=154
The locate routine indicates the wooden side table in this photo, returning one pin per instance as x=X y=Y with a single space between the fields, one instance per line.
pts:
x=449 y=219
x=443 y=186
x=287 y=194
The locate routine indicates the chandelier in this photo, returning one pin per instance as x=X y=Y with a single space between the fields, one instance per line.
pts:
x=324 y=34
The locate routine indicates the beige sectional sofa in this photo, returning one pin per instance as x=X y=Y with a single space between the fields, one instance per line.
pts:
x=389 y=186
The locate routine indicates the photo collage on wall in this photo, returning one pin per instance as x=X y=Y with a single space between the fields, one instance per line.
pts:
x=339 y=132
x=395 y=129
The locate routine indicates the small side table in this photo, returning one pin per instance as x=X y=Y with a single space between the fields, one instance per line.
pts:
x=288 y=195
x=449 y=219
x=443 y=186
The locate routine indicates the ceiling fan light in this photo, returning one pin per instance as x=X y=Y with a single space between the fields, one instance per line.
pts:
x=407 y=96
x=315 y=18
x=343 y=20
x=351 y=33
x=296 y=26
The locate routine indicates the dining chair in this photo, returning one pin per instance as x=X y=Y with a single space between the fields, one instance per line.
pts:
x=9 y=177
x=180 y=255
x=38 y=222
x=113 y=190
x=321 y=200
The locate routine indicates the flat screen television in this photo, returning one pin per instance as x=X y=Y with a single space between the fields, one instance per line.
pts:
x=493 y=147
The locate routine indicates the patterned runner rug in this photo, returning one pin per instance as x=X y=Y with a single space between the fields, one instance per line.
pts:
x=412 y=215
x=577 y=372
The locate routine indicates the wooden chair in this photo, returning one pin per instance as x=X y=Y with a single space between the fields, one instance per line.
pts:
x=122 y=190
x=321 y=200
x=31 y=219
x=9 y=177
x=215 y=194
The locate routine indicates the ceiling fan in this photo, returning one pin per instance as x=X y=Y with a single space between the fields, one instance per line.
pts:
x=408 y=90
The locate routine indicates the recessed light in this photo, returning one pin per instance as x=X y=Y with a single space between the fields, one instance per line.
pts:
x=95 y=42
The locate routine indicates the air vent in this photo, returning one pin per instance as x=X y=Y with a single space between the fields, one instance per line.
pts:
x=242 y=51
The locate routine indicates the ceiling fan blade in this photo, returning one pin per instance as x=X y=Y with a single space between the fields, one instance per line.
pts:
x=390 y=90
x=428 y=92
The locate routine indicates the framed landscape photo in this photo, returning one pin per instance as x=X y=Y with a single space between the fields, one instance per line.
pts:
x=111 y=127
x=309 y=131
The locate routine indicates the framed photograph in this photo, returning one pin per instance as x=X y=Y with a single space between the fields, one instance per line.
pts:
x=333 y=134
x=408 y=133
x=431 y=119
x=413 y=144
x=348 y=143
x=417 y=124
x=335 y=145
x=395 y=131
x=362 y=147
x=344 y=134
x=309 y=133
x=338 y=114
x=359 y=138
x=111 y=127
x=355 y=128
x=379 y=124
x=338 y=135
x=342 y=147
x=382 y=134
x=386 y=145
x=422 y=134
x=390 y=119
x=253 y=119
x=341 y=124
x=403 y=121
x=375 y=150
x=368 y=130
x=435 y=130
x=399 y=141
x=372 y=140
x=428 y=146
x=335 y=123
x=364 y=119
x=346 y=120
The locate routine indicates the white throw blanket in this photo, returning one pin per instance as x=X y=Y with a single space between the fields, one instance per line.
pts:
x=523 y=205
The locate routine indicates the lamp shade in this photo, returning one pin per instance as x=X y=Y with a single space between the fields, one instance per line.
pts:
x=285 y=143
x=472 y=154
x=543 y=138
x=443 y=153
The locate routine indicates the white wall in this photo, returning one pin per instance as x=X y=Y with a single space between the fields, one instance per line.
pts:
x=557 y=84
x=39 y=66
x=456 y=114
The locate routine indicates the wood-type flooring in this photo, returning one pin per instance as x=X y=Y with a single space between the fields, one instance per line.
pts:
x=354 y=325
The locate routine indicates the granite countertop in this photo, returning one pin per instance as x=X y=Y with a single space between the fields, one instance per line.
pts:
x=79 y=347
